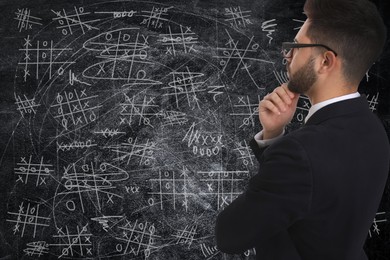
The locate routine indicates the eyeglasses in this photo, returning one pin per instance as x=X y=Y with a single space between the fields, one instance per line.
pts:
x=287 y=48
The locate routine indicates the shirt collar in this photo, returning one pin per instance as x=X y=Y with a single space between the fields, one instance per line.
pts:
x=322 y=104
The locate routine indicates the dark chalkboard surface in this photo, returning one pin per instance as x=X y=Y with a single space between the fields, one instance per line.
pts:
x=125 y=124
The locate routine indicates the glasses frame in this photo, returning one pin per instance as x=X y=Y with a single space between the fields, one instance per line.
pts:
x=294 y=45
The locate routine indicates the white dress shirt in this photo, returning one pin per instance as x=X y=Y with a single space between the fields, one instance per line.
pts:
x=312 y=110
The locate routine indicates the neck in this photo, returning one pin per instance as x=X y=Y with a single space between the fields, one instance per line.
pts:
x=324 y=93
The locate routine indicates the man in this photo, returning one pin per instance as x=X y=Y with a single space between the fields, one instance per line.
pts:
x=318 y=188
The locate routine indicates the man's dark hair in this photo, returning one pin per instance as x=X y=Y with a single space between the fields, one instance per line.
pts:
x=353 y=28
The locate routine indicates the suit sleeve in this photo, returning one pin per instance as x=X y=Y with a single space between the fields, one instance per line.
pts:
x=258 y=151
x=276 y=197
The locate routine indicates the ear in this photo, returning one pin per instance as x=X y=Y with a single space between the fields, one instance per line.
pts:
x=328 y=62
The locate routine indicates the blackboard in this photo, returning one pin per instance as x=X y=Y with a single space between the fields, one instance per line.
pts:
x=125 y=124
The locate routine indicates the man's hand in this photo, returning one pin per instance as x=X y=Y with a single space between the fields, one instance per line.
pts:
x=276 y=110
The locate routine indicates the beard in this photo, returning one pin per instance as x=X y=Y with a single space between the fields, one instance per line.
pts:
x=303 y=79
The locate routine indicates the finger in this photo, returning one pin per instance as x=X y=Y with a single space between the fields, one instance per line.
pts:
x=267 y=105
x=289 y=92
x=284 y=95
x=276 y=99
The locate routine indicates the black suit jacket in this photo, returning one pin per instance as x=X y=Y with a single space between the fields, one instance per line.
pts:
x=317 y=191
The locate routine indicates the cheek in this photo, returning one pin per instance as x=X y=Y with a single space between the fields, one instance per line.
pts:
x=294 y=65
x=293 y=62
x=291 y=65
